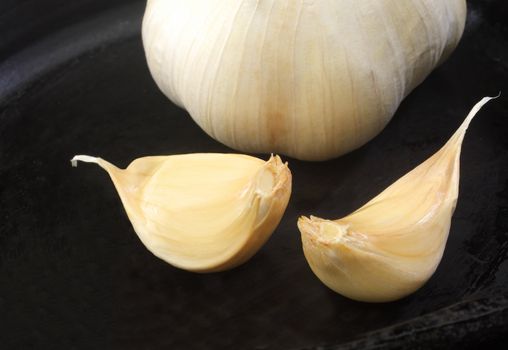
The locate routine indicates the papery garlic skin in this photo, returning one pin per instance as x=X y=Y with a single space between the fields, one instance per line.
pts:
x=309 y=79
x=202 y=212
x=392 y=245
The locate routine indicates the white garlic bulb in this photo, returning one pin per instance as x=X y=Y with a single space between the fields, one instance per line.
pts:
x=312 y=79
x=202 y=212
x=393 y=244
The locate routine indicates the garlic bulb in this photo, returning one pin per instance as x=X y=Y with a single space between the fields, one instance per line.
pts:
x=393 y=244
x=202 y=212
x=309 y=79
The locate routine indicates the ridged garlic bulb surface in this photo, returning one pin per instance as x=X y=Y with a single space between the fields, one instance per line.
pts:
x=312 y=79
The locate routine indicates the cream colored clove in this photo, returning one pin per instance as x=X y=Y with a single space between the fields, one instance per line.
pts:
x=392 y=245
x=202 y=212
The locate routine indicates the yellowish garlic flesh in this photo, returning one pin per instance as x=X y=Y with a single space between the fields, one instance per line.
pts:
x=309 y=79
x=392 y=245
x=202 y=212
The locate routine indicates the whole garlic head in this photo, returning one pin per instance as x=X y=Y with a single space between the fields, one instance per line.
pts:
x=312 y=79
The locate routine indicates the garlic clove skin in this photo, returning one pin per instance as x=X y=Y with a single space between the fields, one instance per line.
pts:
x=202 y=212
x=392 y=245
x=309 y=79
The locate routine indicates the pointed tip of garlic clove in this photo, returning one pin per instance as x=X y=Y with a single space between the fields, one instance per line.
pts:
x=110 y=168
x=85 y=159
x=474 y=111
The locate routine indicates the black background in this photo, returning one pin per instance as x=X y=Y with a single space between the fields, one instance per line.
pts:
x=73 y=274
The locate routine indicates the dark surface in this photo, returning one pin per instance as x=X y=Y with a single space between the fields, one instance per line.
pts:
x=73 y=274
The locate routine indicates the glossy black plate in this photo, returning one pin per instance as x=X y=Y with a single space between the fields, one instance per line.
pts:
x=73 y=274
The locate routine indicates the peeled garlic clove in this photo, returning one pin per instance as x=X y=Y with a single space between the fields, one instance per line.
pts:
x=392 y=245
x=310 y=79
x=202 y=212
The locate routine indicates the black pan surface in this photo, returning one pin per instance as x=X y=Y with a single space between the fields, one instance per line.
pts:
x=73 y=274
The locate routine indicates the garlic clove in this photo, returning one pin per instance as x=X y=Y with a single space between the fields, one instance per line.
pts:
x=392 y=245
x=202 y=212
